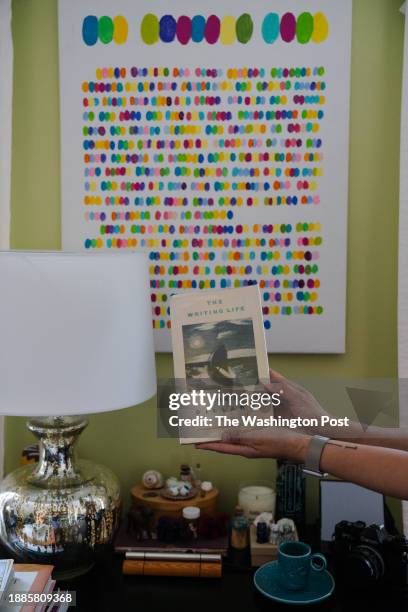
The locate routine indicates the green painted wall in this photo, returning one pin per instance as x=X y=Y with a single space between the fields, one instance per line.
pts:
x=126 y=441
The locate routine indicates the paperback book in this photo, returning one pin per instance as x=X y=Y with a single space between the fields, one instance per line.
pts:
x=219 y=351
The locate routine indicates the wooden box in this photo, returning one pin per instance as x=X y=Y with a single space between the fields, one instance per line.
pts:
x=262 y=553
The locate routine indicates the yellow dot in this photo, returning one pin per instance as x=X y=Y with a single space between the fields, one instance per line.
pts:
x=321 y=28
x=228 y=35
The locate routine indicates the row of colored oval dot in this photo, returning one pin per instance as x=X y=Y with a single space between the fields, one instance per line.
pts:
x=289 y=284
x=105 y=29
x=288 y=310
x=111 y=243
x=232 y=73
x=229 y=30
x=301 y=296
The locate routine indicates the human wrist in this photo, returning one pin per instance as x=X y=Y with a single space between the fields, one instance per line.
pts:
x=295 y=448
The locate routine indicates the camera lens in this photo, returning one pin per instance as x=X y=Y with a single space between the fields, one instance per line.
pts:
x=365 y=567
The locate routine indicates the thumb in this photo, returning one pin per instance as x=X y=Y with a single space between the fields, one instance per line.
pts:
x=275 y=376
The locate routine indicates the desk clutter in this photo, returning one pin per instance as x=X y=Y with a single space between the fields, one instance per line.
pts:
x=173 y=526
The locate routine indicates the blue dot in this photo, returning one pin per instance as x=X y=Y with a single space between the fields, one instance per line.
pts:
x=197 y=28
x=167 y=28
x=90 y=30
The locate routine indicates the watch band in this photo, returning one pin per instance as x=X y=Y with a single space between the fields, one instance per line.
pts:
x=313 y=456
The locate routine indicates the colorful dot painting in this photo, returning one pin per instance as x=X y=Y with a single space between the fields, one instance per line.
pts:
x=213 y=137
x=167 y=168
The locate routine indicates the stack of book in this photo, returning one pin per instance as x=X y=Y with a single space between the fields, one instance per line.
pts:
x=27 y=588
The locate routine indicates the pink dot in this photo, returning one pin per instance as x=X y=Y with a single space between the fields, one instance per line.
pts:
x=183 y=29
x=212 y=29
x=288 y=27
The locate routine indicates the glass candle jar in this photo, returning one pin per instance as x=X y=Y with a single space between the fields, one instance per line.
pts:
x=256 y=498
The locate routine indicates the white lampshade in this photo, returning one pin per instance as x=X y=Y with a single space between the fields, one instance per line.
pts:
x=75 y=333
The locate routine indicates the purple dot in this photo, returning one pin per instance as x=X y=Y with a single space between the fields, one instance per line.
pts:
x=183 y=30
x=212 y=29
x=288 y=27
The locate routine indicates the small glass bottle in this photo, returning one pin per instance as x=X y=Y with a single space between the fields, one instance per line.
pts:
x=191 y=515
x=197 y=476
x=239 y=530
x=185 y=473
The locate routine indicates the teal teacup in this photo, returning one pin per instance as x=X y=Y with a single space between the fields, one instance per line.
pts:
x=295 y=561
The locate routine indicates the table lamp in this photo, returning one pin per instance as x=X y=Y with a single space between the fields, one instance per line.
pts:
x=76 y=338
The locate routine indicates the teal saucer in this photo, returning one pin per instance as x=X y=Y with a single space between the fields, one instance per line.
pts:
x=319 y=587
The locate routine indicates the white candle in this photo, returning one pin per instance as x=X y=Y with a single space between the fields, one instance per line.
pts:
x=255 y=499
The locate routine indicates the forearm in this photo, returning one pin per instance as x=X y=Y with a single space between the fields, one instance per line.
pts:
x=388 y=437
x=381 y=469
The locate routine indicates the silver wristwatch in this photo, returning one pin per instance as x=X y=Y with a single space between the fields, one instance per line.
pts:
x=313 y=456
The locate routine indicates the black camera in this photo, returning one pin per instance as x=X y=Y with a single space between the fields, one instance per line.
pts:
x=369 y=556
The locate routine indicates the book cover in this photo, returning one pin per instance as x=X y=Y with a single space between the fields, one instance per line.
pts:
x=30 y=578
x=219 y=346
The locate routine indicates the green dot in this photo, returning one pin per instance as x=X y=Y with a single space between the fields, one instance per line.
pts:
x=244 y=28
x=105 y=30
x=304 y=28
x=149 y=29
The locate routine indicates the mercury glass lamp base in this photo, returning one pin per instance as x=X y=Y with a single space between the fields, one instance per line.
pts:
x=61 y=511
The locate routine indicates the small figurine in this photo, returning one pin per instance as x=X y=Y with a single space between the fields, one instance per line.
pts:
x=274 y=535
x=139 y=521
x=264 y=517
x=152 y=479
x=287 y=532
x=185 y=488
x=262 y=532
x=178 y=487
x=206 y=487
